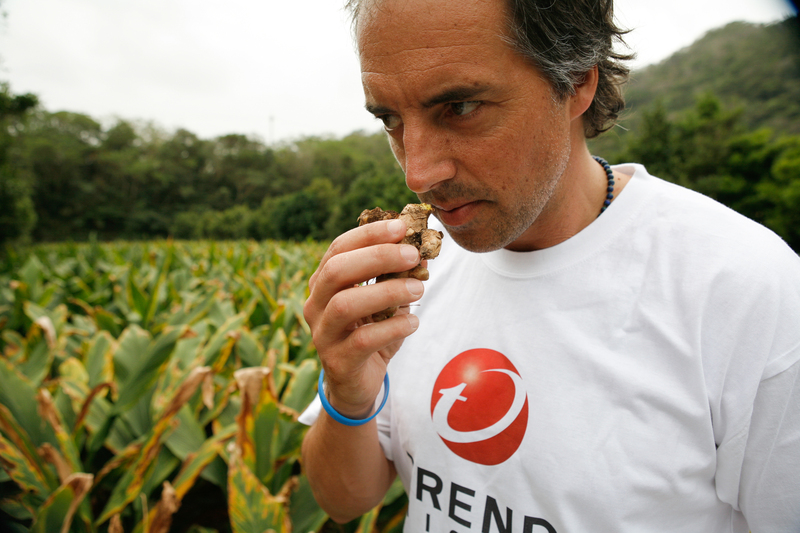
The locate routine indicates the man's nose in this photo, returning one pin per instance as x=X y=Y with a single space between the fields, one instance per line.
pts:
x=428 y=158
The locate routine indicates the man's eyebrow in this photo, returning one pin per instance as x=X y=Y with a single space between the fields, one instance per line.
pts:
x=378 y=110
x=455 y=94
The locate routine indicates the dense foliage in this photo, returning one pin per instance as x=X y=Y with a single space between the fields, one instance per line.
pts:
x=134 y=181
x=708 y=149
x=64 y=176
x=154 y=387
x=17 y=216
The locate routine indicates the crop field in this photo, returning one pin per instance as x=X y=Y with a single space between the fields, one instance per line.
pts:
x=155 y=386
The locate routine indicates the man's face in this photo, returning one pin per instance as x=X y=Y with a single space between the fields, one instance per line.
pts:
x=474 y=126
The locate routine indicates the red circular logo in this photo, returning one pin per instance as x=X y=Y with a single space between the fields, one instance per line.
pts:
x=479 y=406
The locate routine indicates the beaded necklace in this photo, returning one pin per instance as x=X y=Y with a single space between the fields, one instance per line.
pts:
x=610 y=189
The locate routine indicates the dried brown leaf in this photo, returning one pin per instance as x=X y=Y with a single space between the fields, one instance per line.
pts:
x=115 y=526
x=166 y=507
x=48 y=329
x=50 y=454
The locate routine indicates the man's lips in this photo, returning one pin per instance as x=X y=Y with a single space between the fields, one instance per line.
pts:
x=457 y=214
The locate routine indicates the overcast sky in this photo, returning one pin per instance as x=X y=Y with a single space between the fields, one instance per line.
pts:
x=276 y=69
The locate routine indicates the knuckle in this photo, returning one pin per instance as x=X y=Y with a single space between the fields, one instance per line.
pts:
x=360 y=340
x=337 y=246
x=333 y=271
x=308 y=311
x=340 y=304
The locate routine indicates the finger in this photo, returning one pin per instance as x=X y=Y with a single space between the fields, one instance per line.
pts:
x=347 y=307
x=383 y=232
x=346 y=363
x=343 y=271
x=384 y=337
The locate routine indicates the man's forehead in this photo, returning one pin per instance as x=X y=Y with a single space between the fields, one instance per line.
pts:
x=392 y=26
x=455 y=12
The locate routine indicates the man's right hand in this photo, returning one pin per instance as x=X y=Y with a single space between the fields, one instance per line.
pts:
x=355 y=353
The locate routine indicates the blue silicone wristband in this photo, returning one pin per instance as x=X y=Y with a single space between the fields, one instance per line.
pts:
x=343 y=419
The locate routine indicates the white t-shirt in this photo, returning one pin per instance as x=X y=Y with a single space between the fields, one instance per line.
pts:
x=640 y=376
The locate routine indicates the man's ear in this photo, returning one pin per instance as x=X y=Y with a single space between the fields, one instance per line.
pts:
x=584 y=94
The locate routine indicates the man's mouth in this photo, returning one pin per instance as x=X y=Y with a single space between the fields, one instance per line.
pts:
x=456 y=213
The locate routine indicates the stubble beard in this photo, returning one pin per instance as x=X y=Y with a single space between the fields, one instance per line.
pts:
x=504 y=225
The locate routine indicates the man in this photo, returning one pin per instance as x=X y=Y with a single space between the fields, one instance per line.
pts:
x=565 y=372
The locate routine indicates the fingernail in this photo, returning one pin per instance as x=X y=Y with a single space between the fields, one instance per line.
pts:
x=413 y=321
x=409 y=253
x=414 y=287
x=396 y=227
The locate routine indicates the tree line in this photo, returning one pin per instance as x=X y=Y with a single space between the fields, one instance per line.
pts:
x=68 y=178
x=63 y=176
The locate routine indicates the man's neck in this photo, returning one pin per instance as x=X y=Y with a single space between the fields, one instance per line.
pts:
x=576 y=203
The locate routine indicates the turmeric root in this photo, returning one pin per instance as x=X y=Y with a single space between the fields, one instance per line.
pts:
x=427 y=241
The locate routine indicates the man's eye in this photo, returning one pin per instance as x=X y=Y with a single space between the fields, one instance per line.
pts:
x=464 y=108
x=390 y=122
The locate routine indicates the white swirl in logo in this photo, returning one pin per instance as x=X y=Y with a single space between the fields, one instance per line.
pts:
x=453 y=394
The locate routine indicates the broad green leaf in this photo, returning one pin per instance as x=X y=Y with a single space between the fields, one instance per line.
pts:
x=22 y=471
x=66 y=445
x=17 y=509
x=302 y=386
x=143 y=367
x=188 y=437
x=108 y=322
x=187 y=349
x=257 y=421
x=18 y=396
x=193 y=314
x=251 y=507
x=250 y=350
x=165 y=466
x=278 y=352
x=366 y=523
x=134 y=478
x=133 y=342
x=100 y=359
x=198 y=461
x=38 y=358
x=155 y=290
x=192 y=468
x=137 y=420
x=215 y=344
x=58 y=510
x=32 y=272
x=305 y=513
x=137 y=301
x=221 y=311
x=57 y=316
x=14 y=349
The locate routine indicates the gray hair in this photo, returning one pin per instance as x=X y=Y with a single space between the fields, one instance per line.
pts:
x=565 y=39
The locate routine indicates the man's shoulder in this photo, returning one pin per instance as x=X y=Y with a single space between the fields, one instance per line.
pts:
x=690 y=217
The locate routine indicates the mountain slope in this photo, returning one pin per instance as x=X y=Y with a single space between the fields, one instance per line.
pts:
x=752 y=67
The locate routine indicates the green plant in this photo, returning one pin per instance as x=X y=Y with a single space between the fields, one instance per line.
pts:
x=153 y=387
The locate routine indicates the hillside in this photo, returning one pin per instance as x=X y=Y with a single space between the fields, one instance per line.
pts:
x=755 y=67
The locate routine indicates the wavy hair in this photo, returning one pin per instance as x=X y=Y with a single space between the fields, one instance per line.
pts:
x=565 y=39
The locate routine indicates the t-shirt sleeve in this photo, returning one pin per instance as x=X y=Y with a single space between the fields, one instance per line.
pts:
x=769 y=492
x=310 y=415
